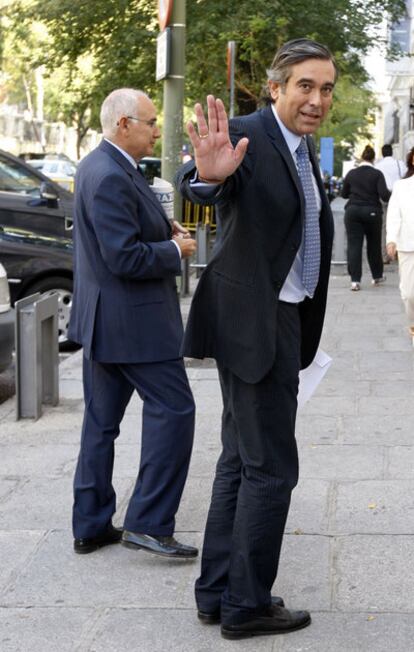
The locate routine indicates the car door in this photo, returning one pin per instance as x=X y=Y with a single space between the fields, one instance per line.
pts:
x=21 y=203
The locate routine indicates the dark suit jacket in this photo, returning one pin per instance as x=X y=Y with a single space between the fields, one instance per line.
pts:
x=233 y=317
x=125 y=305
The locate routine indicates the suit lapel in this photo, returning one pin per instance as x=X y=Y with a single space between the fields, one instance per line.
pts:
x=277 y=140
x=136 y=175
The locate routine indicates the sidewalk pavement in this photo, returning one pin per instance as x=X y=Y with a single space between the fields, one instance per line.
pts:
x=347 y=555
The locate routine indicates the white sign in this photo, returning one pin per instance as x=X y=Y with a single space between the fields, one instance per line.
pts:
x=163 y=54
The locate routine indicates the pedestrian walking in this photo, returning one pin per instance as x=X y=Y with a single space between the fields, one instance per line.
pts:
x=259 y=310
x=400 y=236
x=364 y=187
x=393 y=169
x=126 y=316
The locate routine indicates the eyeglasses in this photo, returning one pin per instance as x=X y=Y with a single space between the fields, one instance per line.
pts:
x=150 y=123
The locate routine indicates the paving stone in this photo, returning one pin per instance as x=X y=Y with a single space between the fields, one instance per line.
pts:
x=386 y=405
x=6 y=487
x=304 y=575
x=160 y=630
x=392 y=364
x=192 y=514
x=41 y=630
x=316 y=429
x=44 y=503
x=341 y=462
x=16 y=547
x=334 y=385
x=309 y=508
x=70 y=388
x=385 y=388
x=375 y=430
x=374 y=507
x=343 y=632
x=114 y=575
x=401 y=462
x=330 y=406
x=35 y=460
x=374 y=573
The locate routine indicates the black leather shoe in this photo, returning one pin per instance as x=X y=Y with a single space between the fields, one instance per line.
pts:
x=158 y=545
x=83 y=546
x=278 y=620
x=214 y=617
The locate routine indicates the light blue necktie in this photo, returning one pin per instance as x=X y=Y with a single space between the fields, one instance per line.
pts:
x=312 y=236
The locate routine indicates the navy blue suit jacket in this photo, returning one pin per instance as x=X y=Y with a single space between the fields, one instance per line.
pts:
x=125 y=304
x=233 y=316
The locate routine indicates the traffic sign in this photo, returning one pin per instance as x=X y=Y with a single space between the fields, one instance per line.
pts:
x=164 y=12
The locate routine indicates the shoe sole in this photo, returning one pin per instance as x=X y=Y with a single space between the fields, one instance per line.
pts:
x=245 y=634
x=167 y=555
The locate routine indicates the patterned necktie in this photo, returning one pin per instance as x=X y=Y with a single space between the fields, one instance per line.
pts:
x=312 y=245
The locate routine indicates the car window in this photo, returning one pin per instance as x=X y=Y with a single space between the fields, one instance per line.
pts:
x=50 y=167
x=69 y=169
x=150 y=169
x=15 y=178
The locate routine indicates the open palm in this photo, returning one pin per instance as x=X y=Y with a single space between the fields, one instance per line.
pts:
x=215 y=157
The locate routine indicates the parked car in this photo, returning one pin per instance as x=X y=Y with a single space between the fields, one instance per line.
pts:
x=31 y=201
x=151 y=167
x=62 y=171
x=38 y=263
x=6 y=322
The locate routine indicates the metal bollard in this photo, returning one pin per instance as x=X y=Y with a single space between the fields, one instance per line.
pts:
x=339 y=244
x=203 y=248
x=37 y=354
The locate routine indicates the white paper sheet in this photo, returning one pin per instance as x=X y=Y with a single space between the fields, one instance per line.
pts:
x=310 y=377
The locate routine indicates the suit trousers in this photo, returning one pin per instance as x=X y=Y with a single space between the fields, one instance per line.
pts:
x=363 y=221
x=255 y=475
x=166 y=444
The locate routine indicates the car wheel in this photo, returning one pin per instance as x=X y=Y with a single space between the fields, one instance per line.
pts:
x=63 y=287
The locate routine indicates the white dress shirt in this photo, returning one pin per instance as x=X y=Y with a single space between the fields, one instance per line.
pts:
x=392 y=169
x=293 y=290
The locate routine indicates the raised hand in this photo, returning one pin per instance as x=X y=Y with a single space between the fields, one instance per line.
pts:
x=214 y=154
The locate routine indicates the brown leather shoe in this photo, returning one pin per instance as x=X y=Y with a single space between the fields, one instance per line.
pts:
x=84 y=546
x=214 y=617
x=278 y=620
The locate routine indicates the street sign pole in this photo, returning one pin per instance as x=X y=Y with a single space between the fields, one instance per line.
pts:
x=231 y=61
x=172 y=132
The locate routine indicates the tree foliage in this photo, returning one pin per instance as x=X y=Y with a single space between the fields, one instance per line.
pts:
x=93 y=47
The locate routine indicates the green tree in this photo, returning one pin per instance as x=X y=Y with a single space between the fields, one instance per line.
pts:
x=91 y=49
x=118 y=37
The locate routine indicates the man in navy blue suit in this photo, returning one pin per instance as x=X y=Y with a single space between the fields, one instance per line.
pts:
x=126 y=316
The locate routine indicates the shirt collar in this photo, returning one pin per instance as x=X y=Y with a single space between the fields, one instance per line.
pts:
x=292 y=140
x=127 y=156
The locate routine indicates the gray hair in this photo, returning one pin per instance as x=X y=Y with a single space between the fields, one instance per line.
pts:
x=121 y=102
x=294 y=52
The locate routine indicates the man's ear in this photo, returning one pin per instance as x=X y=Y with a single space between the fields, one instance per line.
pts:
x=274 y=89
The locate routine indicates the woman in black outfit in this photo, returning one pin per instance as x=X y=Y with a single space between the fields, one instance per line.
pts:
x=364 y=186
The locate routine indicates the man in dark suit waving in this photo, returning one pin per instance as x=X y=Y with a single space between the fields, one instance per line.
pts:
x=126 y=316
x=258 y=310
